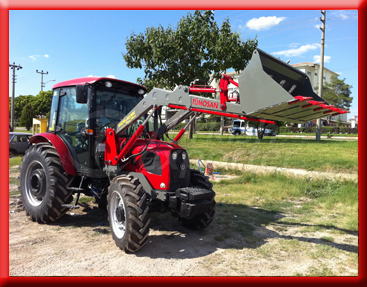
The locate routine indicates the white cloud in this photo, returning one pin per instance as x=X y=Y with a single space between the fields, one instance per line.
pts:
x=34 y=57
x=343 y=16
x=299 y=51
x=318 y=26
x=111 y=76
x=264 y=23
x=293 y=45
x=317 y=58
x=90 y=76
x=46 y=56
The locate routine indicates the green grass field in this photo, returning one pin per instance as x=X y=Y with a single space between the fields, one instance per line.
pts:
x=312 y=134
x=277 y=202
x=278 y=193
x=325 y=155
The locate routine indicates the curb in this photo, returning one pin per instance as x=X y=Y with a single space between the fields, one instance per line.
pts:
x=290 y=136
x=287 y=171
x=323 y=137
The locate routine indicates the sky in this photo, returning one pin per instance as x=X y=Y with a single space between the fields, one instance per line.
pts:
x=71 y=44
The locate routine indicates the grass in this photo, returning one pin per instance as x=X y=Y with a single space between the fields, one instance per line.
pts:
x=325 y=155
x=13 y=168
x=277 y=193
x=16 y=161
x=313 y=134
x=280 y=205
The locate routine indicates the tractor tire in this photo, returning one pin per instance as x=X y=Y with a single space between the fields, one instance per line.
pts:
x=43 y=183
x=128 y=213
x=200 y=221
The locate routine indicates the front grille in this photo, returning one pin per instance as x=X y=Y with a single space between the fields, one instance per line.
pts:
x=179 y=178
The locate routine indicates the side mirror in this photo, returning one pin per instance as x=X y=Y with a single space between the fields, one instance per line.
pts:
x=81 y=94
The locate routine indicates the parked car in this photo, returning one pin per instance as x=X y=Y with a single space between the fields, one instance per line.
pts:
x=241 y=127
x=18 y=143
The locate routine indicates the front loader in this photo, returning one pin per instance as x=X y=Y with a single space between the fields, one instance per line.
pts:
x=105 y=140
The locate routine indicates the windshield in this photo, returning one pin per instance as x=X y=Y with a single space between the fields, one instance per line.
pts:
x=112 y=107
x=236 y=124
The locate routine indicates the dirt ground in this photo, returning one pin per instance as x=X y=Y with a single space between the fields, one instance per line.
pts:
x=80 y=244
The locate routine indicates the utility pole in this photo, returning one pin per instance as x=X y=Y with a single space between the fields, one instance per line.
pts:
x=42 y=73
x=13 y=66
x=321 y=72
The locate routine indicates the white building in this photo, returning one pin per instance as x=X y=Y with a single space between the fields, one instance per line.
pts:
x=353 y=121
x=312 y=71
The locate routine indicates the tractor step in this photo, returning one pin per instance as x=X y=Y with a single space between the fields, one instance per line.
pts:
x=194 y=193
x=75 y=189
x=70 y=206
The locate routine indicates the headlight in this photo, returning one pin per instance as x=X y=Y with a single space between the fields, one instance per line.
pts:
x=183 y=155
x=174 y=155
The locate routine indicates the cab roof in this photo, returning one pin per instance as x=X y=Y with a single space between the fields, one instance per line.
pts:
x=91 y=80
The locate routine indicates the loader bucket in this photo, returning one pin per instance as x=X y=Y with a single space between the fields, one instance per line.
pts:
x=271 y=89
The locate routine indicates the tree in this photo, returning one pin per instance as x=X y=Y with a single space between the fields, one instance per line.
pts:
x=337 y=93
x=42 y=103
x=26 y=119
x=339 y=123
x=19 y=103
x=196 y=48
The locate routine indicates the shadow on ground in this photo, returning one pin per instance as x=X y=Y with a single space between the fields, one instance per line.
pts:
x=169 y=239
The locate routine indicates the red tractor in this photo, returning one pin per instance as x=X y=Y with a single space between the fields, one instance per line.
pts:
x=105 y=139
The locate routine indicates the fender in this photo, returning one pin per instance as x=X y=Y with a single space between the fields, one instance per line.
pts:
x=65 y=156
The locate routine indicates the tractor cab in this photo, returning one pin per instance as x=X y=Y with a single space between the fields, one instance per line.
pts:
x=81 y=111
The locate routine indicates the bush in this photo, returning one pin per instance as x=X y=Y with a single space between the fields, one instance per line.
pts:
x=294 y=129
x=284 y=130
x=214 y=118
x=210 y=126
x=352 y=130
x=26 y=119
x=325 y=130
x=179 y=127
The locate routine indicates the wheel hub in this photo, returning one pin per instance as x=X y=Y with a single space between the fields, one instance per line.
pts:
x=37 y=183
x=120 y=214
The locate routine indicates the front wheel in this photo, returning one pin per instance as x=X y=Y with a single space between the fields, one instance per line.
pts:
x=128 y=213
x=203 y=220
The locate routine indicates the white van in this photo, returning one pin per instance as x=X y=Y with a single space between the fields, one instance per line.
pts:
x=240 y=127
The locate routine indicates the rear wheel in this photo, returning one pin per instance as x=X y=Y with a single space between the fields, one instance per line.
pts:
x=43 y=184
x=200 y=221
x=128 y=213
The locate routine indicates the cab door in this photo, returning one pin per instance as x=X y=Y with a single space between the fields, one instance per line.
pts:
x=68 y=118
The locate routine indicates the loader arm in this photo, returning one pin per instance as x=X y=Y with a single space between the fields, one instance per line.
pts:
x=269 y=89
x=181 y=99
